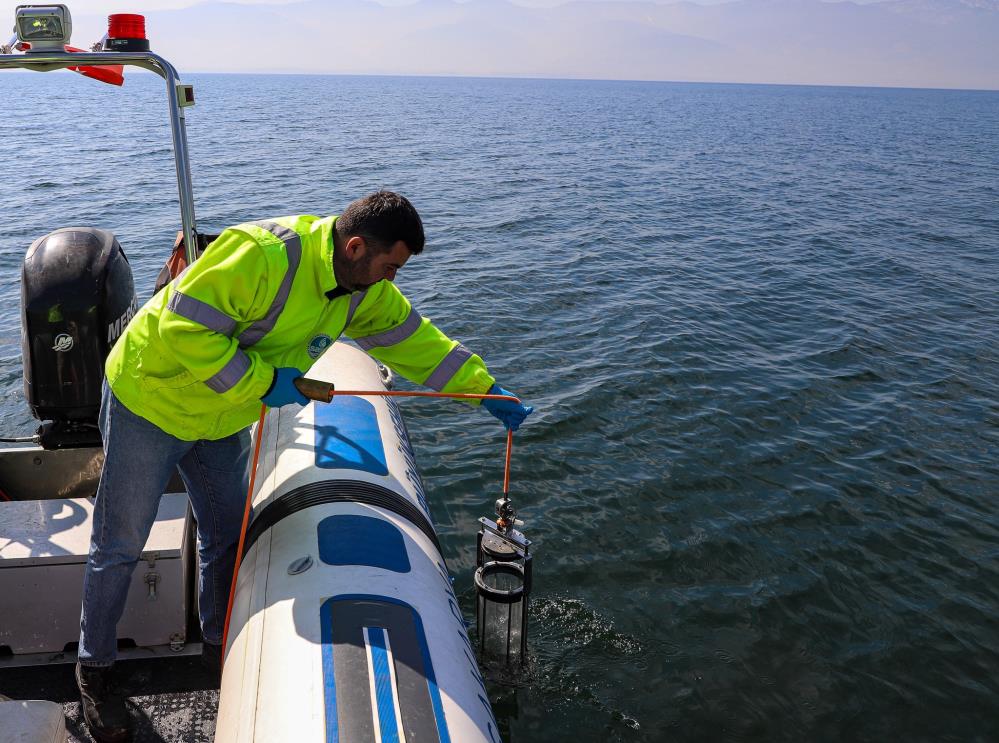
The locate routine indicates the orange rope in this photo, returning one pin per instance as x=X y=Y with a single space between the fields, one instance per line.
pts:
x=336 y=393
x=452 y=395
x=242 y=530
x=401 y=393
x=506 y=468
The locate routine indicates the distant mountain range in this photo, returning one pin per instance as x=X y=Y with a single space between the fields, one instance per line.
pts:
x=918 y=43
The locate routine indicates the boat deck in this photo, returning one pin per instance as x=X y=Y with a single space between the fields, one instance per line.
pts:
x=171 y=700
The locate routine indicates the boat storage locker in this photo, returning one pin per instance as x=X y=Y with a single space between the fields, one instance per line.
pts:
x=43 y=554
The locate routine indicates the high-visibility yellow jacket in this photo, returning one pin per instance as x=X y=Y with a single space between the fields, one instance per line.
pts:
x=196 y=359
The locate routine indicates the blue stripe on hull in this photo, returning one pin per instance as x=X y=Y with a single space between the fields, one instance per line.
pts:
x=348 y=437
x=388 y=726
x=346 y=679
x=362 y=540
x=329 y=686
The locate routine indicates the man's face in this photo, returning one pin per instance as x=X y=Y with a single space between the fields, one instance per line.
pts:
x=366 y=265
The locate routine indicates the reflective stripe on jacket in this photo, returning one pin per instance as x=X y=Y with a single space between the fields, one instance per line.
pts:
x=196 y=359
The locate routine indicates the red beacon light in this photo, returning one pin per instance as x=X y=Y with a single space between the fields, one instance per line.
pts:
x=126 y=33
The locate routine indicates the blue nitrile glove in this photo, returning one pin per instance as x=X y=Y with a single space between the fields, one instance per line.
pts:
x=511 y=413
x=283 y=390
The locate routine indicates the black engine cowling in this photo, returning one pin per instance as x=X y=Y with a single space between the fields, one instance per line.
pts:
x=77 y=295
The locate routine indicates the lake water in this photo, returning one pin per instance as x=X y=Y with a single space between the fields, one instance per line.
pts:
x=760 y=327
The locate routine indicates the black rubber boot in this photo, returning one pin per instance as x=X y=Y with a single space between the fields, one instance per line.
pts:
x=103 y=706
x=211 y=658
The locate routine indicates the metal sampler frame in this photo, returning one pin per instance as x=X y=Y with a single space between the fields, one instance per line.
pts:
x=47 y=61
x=509 y=551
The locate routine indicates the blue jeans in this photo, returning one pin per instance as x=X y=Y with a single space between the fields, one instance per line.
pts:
x=139 y=459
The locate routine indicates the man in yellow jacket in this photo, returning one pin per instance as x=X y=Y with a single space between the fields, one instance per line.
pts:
x=187 y=377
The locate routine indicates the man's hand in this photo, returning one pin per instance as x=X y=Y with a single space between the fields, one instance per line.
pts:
x=283 y=390
x=511 y=413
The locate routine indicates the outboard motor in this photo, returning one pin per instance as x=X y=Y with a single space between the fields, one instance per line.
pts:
x=77 y=296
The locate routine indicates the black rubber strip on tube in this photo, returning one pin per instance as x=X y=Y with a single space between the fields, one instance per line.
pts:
x=337 y=491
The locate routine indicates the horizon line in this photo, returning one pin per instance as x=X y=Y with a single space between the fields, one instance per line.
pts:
x=858 y=86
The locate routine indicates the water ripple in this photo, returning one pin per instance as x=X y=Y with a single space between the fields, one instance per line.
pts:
x=760 y=327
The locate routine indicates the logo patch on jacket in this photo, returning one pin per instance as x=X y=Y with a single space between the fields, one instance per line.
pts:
x=319 y=344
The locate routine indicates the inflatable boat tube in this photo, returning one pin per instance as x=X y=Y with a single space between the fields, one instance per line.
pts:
x=344 y=624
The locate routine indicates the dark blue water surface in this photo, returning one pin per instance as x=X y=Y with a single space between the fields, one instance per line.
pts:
x=759 y=324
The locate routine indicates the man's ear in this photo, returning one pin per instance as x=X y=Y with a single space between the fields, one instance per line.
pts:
x=354 y=247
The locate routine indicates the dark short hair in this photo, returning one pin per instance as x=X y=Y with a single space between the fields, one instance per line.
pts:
x=383 y=218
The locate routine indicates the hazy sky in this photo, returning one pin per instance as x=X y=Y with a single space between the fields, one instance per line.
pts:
x=138 y=6
x=900 y=43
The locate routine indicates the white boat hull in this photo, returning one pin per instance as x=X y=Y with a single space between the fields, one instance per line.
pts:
x=344 y=624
